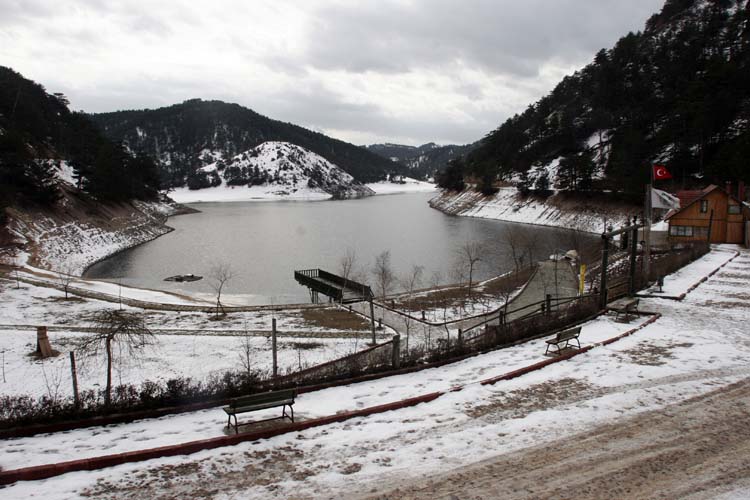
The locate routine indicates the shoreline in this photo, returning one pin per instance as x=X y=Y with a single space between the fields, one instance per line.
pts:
x=182 y=209
x=560 y=210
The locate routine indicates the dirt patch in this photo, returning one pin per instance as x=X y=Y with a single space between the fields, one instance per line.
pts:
x=302 y=346
x=335 y=318
x=522 y=402
x=648 y=353
x=722 y=304
x=69 y=300
x=198 y=479
x=740 y=276
x=694 y=449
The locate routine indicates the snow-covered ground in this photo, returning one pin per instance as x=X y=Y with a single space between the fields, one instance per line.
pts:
x=70 y=245
x=698 y=345
x=408 y=185
x=508 y=205
x=278 y=170
x=113 y=290
x=188 y=344
x=272 y=192
x=244 y=193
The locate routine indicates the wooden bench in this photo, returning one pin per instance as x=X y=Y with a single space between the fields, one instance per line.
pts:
x=627 y=308
x=261 y=401
x=564 y=336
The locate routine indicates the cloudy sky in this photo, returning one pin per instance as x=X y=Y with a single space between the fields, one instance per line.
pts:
x=365 y=71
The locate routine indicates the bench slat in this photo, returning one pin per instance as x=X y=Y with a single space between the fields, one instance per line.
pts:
x=231 y=410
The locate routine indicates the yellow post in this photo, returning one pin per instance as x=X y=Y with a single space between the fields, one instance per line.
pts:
x=582 y=279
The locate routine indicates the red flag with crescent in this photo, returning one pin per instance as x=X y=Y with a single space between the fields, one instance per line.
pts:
x=661 y=173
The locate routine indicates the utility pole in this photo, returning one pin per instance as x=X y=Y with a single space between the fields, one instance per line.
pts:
x=74 y=375
x=372 y=321
x=647 y=227
x=273 y=347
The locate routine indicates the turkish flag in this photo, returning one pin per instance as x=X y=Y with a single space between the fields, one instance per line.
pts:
x=661 y=173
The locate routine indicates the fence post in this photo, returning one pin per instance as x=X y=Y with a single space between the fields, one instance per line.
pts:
x=603 y=279
x=460 y=340
x=74 y=375
x=396 y=354
x=372 y=321
x=273 y=347
x=548 y=303
x=633 y=252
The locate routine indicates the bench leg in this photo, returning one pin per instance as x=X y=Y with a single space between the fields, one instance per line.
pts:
x=578 y=342
x=236 y=427
x=547 y=350
x=291 y=408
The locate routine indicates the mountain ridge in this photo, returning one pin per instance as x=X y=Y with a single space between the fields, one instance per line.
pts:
x=190 y=135
x=677 y=94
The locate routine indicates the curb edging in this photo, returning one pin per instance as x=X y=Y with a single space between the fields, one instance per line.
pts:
x=87 y=464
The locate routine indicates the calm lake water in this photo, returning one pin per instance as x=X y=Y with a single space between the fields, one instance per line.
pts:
x=264 y=242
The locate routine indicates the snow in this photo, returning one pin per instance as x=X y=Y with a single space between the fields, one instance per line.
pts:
x=224 y=193
x=408 y=185
x=507 y=205
x=189 y=344
x=292 y=172
x=680 y=281
x=71 y=246
x=65 y=173
x=680 y=356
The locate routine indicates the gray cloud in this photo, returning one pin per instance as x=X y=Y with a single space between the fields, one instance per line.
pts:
x=500 y=36
x=391 y=70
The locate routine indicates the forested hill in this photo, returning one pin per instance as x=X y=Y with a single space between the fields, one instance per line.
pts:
x=196 y=133
x=38 y=134
x=677 y=94
x=423 y=161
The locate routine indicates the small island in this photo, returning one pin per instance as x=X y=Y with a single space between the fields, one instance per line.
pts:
x=184 y=277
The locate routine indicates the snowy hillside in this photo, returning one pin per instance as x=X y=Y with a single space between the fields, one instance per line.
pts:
x=272 y=170
x=560 y=210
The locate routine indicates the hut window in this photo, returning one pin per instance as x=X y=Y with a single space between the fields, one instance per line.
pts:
x=704 y=206
x=680 y=230
x=734 y=209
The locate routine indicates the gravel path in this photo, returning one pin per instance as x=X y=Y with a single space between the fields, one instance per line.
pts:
x=698 y=449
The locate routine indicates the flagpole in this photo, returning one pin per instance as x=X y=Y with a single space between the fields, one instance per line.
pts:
x=647 y=227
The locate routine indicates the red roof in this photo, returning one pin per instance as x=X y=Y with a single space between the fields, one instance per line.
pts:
x=688 y=196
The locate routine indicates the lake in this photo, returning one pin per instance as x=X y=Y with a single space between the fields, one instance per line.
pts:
x=264 y=242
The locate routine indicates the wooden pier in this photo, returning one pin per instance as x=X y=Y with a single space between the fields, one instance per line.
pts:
x=335 y=287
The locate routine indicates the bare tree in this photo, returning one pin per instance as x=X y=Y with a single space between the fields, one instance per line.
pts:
x=469 y=255
x=219 y=275
x=117 y=333
x=383 y=273
x=246 y=353
x=65 y=278
x=347 y=263
x=530 y=241
x=513 y=238
x=410 y=282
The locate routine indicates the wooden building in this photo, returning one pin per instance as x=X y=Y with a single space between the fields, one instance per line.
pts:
x=727 y=216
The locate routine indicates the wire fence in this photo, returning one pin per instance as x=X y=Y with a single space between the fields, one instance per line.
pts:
x=372 y=359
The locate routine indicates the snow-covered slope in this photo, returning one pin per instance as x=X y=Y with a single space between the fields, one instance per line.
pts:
x=559 y=210
x=274 y=170
x=77 y=232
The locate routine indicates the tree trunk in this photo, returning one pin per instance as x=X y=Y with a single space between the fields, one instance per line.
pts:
x=108 y=393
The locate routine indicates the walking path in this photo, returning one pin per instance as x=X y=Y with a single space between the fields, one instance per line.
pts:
x=555 y=278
